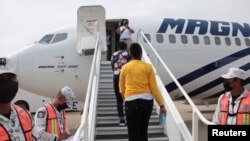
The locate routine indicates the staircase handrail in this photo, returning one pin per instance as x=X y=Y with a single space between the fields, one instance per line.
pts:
x=84 y=128
x=195 y=110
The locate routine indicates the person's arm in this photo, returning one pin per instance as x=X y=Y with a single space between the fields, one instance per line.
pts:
x=118 y=31
x=122 y=81
x=40 y=125
x=155 y=91
x=131 y=30
x=112 y=62
x=154 y=87
x=216 y=118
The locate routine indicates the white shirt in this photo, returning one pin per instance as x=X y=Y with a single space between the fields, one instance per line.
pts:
x=125 y=34
x=13 y=126
x=231 y=120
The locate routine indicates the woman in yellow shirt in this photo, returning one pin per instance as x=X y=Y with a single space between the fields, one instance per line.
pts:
x=138 y=87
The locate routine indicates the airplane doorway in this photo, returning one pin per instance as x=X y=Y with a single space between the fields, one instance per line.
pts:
x=112 y=37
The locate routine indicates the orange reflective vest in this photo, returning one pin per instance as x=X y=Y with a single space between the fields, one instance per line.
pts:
x=243 y=111
x=25 y=123
x=53 y=125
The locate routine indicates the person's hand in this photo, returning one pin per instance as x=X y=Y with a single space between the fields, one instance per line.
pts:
x=162 y=109
x=63 y=135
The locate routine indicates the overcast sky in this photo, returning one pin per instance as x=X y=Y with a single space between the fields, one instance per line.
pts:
x=25 y=21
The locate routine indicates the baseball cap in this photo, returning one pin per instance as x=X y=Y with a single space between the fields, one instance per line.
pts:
x=68 y=94
x=235 y=73
x=6 y=66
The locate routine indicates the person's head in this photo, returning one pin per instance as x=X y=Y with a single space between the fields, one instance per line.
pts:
x=234 y=78
x=135 y=51
x=122 y=45
x=64 y=98
x=8 y=81
x=125 y=22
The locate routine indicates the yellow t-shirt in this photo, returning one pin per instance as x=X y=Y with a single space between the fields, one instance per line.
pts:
x=138 y=77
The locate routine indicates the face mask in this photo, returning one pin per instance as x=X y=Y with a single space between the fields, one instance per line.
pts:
x=62 y=107
x=227 y=86
x=8 y=90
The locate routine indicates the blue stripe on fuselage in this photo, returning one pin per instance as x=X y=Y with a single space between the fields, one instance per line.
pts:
x=212 y=84
x=208 y=68
x=247 y=81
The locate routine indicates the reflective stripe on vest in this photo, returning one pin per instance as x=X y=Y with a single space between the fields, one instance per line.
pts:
x=4 y=136
x=53 y=125
x=25 y=123
x=243 y=112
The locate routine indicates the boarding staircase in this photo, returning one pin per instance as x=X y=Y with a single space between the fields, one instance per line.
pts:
x=107 y=119
x=99 y=120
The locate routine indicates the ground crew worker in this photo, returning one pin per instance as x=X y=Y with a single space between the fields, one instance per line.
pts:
x=15 y=122
x=50 y=119
x=233 y=107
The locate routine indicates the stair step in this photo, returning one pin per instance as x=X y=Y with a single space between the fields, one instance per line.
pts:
x=123 y=130
x=124 y=137
x=115 y=117
x=107 y=119
x=116 y=124
x=116 y=114
x=114 y=108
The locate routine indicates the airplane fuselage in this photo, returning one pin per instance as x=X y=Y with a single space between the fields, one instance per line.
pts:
x=196 y=51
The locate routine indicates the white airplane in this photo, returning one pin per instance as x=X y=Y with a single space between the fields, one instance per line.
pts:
x=197 y=51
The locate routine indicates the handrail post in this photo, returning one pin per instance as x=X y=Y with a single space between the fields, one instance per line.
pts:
x=195 y=125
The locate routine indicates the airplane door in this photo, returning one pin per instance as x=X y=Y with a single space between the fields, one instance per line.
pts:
x=87 y=17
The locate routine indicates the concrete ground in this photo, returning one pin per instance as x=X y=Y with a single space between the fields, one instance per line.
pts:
x=74 y=120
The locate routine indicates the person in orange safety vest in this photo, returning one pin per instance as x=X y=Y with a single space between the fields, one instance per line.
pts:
x=233 y=107
x=51 y=120
x=15 y=122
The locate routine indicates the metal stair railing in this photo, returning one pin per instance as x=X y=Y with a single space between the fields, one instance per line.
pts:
x=86 y=130
x=172 y=112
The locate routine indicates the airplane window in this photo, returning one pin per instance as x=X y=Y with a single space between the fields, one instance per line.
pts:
x=46 y=39
x=237 y=41
x=217 y=40
x=247 y=41
x=172 y=38
x=228 y=41
x=159 y=38
x=196 y=39
x=184 y=39
x=206 y=40
x=148 y=37
x=59 y=37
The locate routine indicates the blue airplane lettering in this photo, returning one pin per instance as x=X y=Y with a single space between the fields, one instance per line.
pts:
x=220 y=28
x=179 y=24
x=244 y=30
x=217 y=28
x=192 y=24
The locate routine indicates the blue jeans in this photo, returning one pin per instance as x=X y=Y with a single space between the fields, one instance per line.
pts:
x=138 y=113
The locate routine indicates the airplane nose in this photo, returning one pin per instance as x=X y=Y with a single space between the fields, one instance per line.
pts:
x=8 y=64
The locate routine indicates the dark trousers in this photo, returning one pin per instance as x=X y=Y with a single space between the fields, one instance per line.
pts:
x=138 y=113
x=119 y=98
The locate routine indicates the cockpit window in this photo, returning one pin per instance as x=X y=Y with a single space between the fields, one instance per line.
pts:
x=59 y=37
x=46 y=39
